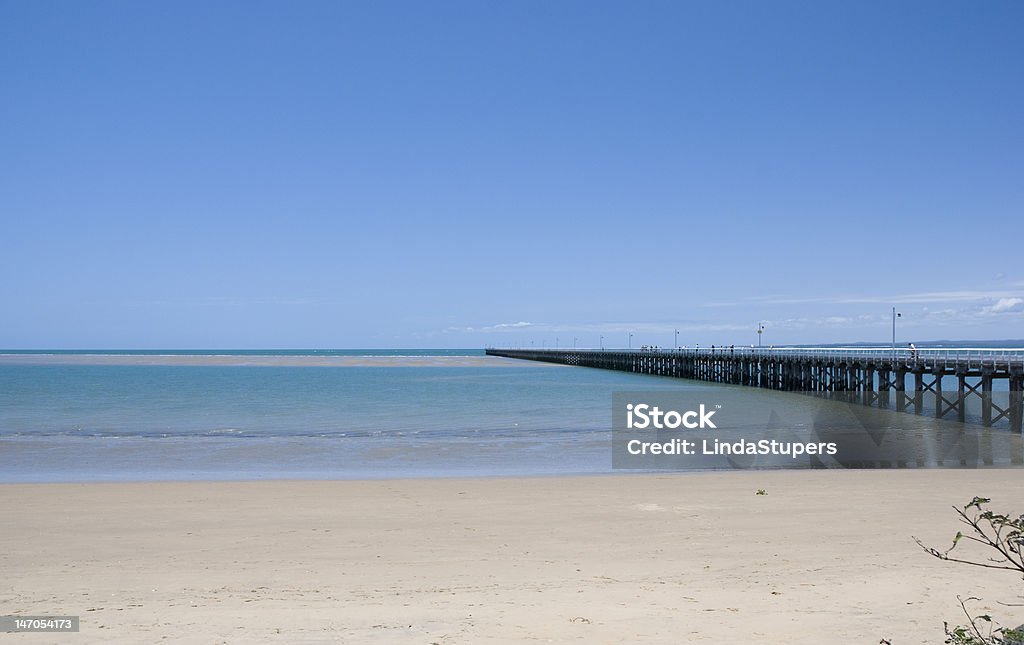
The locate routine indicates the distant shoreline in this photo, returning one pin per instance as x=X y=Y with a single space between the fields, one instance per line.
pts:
x=459 y=351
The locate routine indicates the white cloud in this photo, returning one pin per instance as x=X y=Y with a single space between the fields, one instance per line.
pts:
x=923 y=297
x=1006 y=304
x=966 y=312
x=515 y=325
x=522 y=324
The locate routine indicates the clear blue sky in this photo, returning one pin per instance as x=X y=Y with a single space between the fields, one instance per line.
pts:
x=450 y=174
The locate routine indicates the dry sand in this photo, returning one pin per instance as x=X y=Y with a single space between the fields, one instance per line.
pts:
x=824 y=557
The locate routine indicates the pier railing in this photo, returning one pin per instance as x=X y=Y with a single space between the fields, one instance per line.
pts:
x=943 y=356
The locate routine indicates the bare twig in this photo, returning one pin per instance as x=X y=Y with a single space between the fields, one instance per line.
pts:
x=1004 y=535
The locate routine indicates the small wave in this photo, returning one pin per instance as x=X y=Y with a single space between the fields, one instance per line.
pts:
x=224 y=431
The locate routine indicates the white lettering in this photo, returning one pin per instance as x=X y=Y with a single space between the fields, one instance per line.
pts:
x=642 y=416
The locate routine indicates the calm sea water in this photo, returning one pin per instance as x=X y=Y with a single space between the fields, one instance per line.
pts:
x=95 y=418
x=151 y=422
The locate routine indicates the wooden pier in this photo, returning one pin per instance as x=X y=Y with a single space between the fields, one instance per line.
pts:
x=948 y=384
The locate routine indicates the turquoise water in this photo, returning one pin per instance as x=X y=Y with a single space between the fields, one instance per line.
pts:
x=97 y=416
x=151 y=422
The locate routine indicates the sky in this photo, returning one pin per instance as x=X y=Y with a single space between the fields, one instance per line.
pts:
x=459 y=174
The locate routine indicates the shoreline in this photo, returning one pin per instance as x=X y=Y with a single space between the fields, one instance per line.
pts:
x=621 y=557
x=364 y=477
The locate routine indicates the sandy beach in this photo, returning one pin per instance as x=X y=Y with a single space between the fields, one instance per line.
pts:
x=824 y=557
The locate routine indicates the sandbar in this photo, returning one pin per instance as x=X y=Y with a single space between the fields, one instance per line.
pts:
x=270 y=360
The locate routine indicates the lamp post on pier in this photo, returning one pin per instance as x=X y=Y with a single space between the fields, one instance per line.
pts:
x=760 y=330
x=602 y=343
x=677 y=340
x=630 y=340
x=895 y=315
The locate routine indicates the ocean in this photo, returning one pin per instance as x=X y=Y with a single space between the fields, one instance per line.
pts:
x=131 y=415
x=111 y=416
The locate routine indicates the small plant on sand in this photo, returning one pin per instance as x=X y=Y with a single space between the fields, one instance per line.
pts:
x=761 y=491
x=1000 y=533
